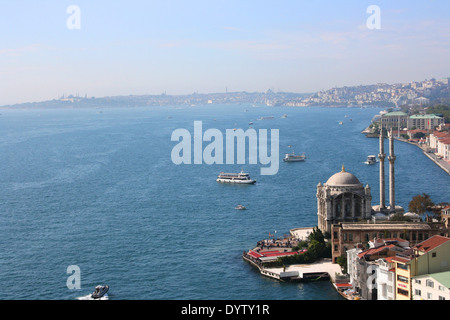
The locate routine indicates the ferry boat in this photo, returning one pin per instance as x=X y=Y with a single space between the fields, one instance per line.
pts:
x=239 y=178
x=292 y=157
x=371 y=160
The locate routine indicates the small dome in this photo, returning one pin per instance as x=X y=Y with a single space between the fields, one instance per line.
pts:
x=343 y=178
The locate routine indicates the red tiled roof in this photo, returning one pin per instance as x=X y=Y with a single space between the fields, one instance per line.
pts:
x=439 y=134
x=343 y=285
x=375 y=250
x=431 y=243
x=272 y=253
x=445 y=140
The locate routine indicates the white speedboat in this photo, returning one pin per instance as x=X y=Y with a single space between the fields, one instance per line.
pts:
x=371 y=160
x=292 y=157
x=239 y=178
x=99 y=292
x=240 y=207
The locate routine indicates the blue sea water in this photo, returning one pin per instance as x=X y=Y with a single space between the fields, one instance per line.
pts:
x=97 y=188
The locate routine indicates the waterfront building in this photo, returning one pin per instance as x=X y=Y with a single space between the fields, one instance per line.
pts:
x=435 y=137
x=343 y=198
x=424 y=121
x=345 y=236
x=435 y=286
x=443 y=149
x=395 y=119
x=427 y=257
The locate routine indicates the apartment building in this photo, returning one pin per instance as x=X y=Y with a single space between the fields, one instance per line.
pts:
x=435 y=286
x=428 y=257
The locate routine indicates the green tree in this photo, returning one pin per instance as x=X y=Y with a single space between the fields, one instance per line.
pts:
x=316 y=235
x=420 y=204
x=342 y=262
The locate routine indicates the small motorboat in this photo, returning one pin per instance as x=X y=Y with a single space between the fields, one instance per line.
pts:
x=99 y=292
x=371 y=159
x=240 y=207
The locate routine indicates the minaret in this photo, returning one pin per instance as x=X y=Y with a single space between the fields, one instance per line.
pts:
x=391 y=159
x=382 y=156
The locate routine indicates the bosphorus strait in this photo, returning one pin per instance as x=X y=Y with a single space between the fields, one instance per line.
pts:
x=97 y=188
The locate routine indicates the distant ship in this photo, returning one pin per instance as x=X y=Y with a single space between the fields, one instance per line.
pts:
x=266 y=118
x=292 y=157
x=239 y=178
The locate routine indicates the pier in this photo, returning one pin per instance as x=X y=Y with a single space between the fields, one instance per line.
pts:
x=320 y=270
x=268 y=251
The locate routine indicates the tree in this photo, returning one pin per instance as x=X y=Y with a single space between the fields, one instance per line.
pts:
x=420 y=204
x=342 y=262
x=317 y=235
x=419 y=135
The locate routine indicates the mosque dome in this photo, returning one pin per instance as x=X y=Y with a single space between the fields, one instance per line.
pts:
x=343 y=178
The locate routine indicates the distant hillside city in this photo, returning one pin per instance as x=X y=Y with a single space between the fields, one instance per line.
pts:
x=428 y=92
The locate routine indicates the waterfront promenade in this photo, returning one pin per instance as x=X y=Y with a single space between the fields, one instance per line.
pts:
x=444 y=165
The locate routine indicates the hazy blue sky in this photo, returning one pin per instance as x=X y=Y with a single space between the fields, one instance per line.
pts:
x=148 y=47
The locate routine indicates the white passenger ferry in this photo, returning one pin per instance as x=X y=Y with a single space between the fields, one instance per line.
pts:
x=241 y=178
x=292 y=157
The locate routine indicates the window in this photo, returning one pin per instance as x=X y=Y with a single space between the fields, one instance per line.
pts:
x=429 y=296
x=433 y=254
x=417 y=281
x=417 y=292
x=430 y=283
x=441 y=298
x=350 y=236
x=441 y=288
x=402 y=292
x=402 y=266
x=402 y=279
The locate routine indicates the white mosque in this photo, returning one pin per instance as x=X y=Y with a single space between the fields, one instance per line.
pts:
x=343 y=198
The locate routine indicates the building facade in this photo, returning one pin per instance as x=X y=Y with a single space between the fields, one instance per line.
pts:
x=385 y=279
x=425 y=121
x=434 y=286
x=345 y=236
x=429 y=256
x=395 y=119
x=342 y=199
